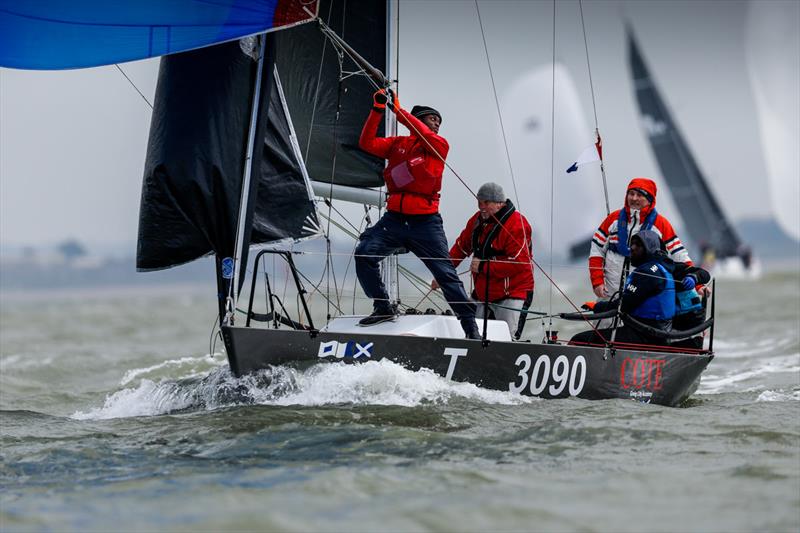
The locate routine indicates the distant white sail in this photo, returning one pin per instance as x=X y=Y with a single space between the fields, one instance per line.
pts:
x=773 y=60
x=578 y=204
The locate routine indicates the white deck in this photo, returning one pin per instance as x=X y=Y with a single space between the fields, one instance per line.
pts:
x=435 y=326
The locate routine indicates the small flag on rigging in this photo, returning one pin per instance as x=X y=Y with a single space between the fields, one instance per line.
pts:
x=590 y=154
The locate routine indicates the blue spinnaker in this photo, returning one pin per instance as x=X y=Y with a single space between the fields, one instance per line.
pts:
x=58 y=34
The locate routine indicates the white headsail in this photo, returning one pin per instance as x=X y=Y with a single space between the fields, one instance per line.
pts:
x=578 y=205
x=773 y=60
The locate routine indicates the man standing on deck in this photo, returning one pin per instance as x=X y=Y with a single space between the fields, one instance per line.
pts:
x=412 y=221
x=498 y=237
x=611 y=242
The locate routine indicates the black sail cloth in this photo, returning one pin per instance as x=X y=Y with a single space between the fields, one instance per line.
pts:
x=198 y=137
x=304 y=57
x=196 y=156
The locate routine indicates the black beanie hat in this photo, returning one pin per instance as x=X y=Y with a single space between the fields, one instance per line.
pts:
x=420 y=111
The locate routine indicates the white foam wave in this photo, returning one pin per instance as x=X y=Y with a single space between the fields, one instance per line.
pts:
x=384 y=383
x=778 y=396
x=713 y=384
x=371 y=383
x=130 y=375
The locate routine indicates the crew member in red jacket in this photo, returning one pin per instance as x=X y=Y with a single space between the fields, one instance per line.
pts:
x=611 y=242
x=498 y=237
x=412 y=221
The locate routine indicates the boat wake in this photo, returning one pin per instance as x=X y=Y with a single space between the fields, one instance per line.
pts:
x=736 y=378
x=372 y=383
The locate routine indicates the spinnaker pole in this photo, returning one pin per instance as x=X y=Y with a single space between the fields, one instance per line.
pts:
x=233 y=290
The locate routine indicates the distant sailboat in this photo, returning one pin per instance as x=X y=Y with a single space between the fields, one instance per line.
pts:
x=772 y=43
x=703 y=218
x=528 y=118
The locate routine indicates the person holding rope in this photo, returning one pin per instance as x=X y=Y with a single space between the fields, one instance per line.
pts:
x=498 y=237
x=611 y=242
x=648 y=296
x=412 y=221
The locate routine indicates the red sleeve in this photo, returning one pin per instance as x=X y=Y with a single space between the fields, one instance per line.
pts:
x=463 y=246
x=596 y=271
x=516 y=239
x=597 y=252
x=419 y=129
x=675 y=248
x=377 y=146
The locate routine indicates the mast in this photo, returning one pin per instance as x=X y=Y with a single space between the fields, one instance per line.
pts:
x=233 y=289
x=392 y=270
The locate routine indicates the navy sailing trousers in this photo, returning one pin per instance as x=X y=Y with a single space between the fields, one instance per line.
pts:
x=422 y=235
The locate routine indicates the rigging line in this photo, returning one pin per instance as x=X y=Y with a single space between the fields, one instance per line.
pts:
x=588 y=65
x=594 y=107
x=500 y=118
x=340 y=57
x=397 y=50
x=333 y=174
x=355 y=278
x=316 y=290
x=552 y=153
x=134 y=86
x=316 y=90
x=357 y=230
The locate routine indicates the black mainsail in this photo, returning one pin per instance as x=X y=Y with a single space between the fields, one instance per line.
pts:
x=703 y=218
x=195 y=160
x=328 y=101
x=197 y=148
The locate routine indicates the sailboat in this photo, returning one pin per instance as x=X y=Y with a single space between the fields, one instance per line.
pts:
x=248 y=131
x=772 y=44
x=718 y=242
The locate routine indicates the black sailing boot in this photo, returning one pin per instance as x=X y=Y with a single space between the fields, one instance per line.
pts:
x=379 y=315
x=470 y=328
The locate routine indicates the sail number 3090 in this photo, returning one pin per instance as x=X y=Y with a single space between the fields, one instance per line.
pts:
x=560 y=373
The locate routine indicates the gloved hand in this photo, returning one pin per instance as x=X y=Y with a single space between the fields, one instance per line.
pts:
x=689 y=282
x=395 y=100
x=589 y=306
x=380 y=98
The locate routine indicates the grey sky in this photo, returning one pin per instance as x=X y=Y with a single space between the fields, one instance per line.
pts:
x=72 y=144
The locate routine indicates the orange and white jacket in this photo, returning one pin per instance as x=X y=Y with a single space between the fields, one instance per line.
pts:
x=605 y=264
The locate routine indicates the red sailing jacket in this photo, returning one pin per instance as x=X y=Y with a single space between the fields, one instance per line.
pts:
x=605 y=265
x=414 y=171
x=510 y=272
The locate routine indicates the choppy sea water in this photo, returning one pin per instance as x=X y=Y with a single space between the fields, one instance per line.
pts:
x=114 y=416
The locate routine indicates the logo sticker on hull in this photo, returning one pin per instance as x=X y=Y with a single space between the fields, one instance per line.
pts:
x=642 y=377
x=340 y=350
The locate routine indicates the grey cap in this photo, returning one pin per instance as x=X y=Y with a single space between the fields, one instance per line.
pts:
x=491 y=192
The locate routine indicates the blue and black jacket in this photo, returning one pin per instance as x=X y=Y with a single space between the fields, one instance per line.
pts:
x=649 y=294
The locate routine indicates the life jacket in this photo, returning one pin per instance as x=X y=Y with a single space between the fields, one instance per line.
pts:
x=483 y=249
x=415 y=164
x=660 y=306
x=412 y=179
x=687 y=301
x=507 y=244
